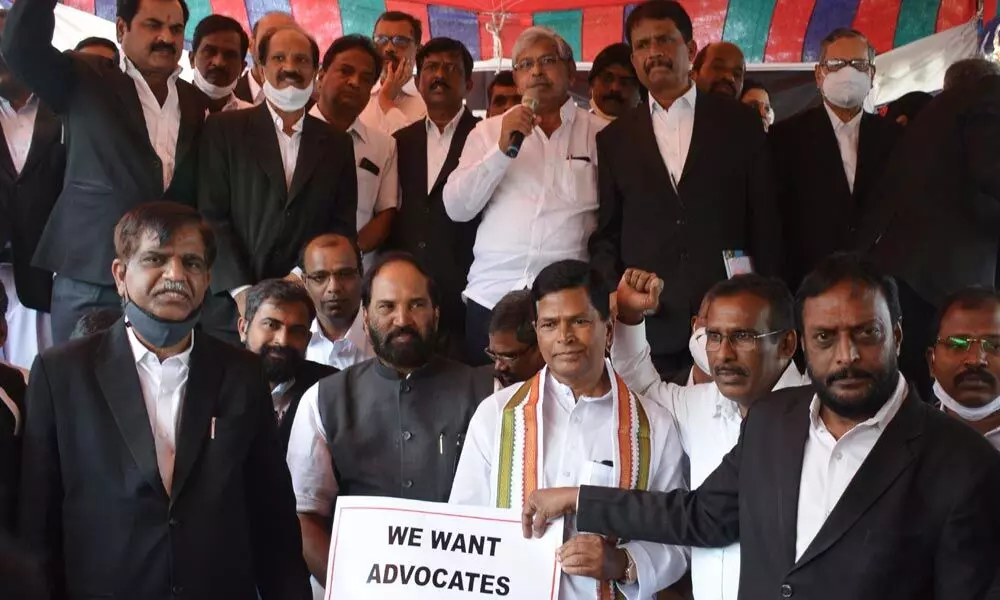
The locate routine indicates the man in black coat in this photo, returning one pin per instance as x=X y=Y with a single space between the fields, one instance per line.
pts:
x=131 y=132
x=12 y=388
x=681 y=180
x=853 y=488
x=151 y=466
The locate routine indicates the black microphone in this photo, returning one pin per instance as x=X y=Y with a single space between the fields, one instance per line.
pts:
x=517 y=138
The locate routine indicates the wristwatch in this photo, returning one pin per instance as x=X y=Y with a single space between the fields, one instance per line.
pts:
x=631 y=571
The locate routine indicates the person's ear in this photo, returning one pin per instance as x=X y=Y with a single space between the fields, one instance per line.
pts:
x=789 y=341
x=243 y=327
x=930 y=360
x=118 y=273
x=897 y=335
x=120 y=27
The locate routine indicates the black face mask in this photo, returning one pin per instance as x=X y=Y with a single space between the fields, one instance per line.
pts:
x=156 y=331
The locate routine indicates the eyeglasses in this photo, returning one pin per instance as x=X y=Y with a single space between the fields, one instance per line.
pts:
x=323 y=277
x=546 y=62
x=961 y=344
x=506 y=358
x=836 y=64
x=739 y=340
x=400 y=41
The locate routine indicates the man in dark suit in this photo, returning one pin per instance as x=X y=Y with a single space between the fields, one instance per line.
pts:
x=151 y=465
x=249 y=87
x=938 y=218
x=681 y=181
x=12 y=388
x=276 y=327
x=131 y=132
x=852 y=488
x=828 y=160
x=428 y=153
x=272 y=178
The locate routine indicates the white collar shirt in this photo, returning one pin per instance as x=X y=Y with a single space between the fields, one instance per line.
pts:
x=848 y=137
x=287 y=144
x=163 y=123
x=18 y=129
x=256 y=89
x=349 y=350
x=992 y=436
x=673 y=128
x=538 y=208
x=409 y=108
x=438 y=146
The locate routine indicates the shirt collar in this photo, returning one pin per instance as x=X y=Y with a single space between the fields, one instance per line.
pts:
x=687 y=99
x=357 y=127
x=792 y=377
x=450 y=127
x=355 y=335
x=282 y=387
x=140 y=352
x=596 y=110
x=129 y=68
x=881 y=419
x=838 y=124
x=564 y=395
x=280 y=124
x=31 y=103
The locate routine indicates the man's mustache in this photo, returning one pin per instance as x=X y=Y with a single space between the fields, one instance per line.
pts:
x=395 y=333
x=290 y=76
x=440 y=83
x=164 y=46
x=848 y=373
x=613 y=96
x=724 y=86
x=731 y=370
x=221 y=71
x=976 y=374
x=172 y=286
x=657 y=61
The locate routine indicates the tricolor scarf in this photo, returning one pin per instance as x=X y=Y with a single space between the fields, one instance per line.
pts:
x=519 y=454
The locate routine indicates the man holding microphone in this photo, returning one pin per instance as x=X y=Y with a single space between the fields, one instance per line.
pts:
x=543 y=199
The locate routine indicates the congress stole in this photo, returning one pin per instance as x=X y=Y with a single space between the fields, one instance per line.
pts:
x=522 y=442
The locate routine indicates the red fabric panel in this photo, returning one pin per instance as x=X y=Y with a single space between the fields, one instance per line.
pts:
x=323 y=19
x=86 y=6
x=234 y=9
x=989 y=10
x=601 y=28
x=512 y=27
x=877 y=19
x=952 y=13
x=788 y=30
x=708 y=18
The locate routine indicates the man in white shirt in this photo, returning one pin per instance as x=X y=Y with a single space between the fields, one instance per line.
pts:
x=750 y=334
x=332 y=271
x=350 y=68
x=834 y=490
x=965 y=360
x=395 y=101
x=250 y=86
x=218 y=49
x=539 y=207
x=577 y=406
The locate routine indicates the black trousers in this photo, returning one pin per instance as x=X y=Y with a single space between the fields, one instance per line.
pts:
x=73 y=298
x=477 y=333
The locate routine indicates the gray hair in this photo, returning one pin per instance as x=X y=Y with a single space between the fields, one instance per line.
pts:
x=845 y=33
x=532 y=35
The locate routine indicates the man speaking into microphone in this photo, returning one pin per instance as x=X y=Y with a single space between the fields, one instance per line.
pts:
x=538 y=206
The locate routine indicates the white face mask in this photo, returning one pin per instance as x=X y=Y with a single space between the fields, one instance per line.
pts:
x=698 y=345
x=967 y=413
x=289 y=98
x=847 y=88
x=211 y=90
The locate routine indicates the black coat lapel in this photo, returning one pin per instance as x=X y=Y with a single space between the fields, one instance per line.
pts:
x=200 y=397
x=124 y=87
x=891 y=456
x=828 y=153
x=6 y=162
x=119 y=380
x=315 y=136
x=264 y=139
x=647 y=149
x=48 y=131
x=702 y=134
x=192 y=117
x=794 y=433
x=462 y=129
x=868 y=144
x=412 y=153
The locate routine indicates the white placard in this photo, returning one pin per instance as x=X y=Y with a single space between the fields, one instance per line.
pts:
x=394 y=549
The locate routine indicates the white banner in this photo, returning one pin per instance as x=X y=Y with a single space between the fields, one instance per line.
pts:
x=394 y=549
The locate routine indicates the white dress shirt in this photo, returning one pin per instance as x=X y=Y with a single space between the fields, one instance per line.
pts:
x=18 y=128
x=438 y=145
x=672 y=128
x=376 y=193
x=233 y=103
x=536 y=209
x=349 y=350
x=163 y=386
x=829 y=465
x=408 y=108
x=709 y=426
x=280 y=400
x=288 y=144
x=256 y=89
x=992 y=436
x=578 y=436
x=848 y=134
x=163 y=123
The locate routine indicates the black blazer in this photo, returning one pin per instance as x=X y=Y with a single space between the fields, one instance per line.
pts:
x=93 y=503
x=260 y=224
x=726 y=202
x=111 y=166
x=26 y=200
x=309 y=373
x=938 y=227
x=242 y=89
x=12 y=383
x=918 y=521
x=423 y=228
x=819 y=213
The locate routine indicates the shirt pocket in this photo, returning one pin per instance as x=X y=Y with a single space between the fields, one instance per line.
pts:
x=599 y=474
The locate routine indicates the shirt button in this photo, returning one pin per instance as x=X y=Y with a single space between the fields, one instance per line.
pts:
x=177 y=590
x=405 y=388
x=173 y=522
x=407 y=435
x=838 y=455
x=565 y=473
x=787 y=591
x=421 y=245
x=408 y=483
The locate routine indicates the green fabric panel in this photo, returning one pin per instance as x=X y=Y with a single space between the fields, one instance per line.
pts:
x=748 y=23
x=568 y=24
x=199 y=10
x=359 y=16
x=917 y=19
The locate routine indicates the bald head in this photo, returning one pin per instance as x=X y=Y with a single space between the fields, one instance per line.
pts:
x=331 y=270
x=720 y=68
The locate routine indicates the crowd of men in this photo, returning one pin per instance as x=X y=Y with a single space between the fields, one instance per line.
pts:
x=243 y=297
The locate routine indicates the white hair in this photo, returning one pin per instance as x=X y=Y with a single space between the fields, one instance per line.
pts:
x=532 y=35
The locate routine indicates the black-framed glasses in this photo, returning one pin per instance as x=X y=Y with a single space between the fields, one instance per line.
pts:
x=739 y=340
x=960 y=344
x=506 y=358
x=527 y=64
x=323 y=277
x=400 y=41
x=836 y=64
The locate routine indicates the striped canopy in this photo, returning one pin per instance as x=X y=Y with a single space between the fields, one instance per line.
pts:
x=766 y=30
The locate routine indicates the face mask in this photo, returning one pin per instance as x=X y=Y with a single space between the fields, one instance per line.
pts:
x=156 y=331
x=698 y=346
x=211 y=90
x=965 y=412
x=847 y=88
x=288 y=99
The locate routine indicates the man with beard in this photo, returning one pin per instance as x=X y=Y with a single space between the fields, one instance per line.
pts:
x=719 y=68
x=614 y=87
x=395 y=101
x=276 y=327
x=218 y=50
x=250 y=86
x=853 y=488
x=513 y=343
x=965 y=360
x=683 y=183
x=393 y=426
x=332 y=271
x=272 y=178
x=131 y=132
x=151 y=465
